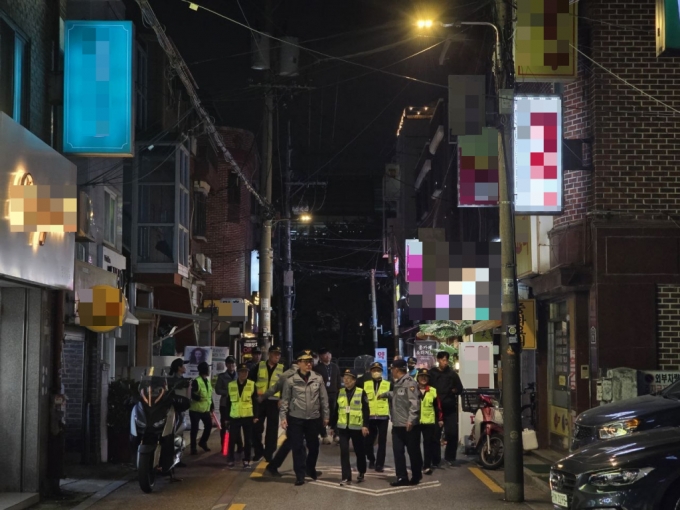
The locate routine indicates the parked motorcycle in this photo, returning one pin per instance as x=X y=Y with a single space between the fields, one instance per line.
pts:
x=156 y=428
x=487 y=437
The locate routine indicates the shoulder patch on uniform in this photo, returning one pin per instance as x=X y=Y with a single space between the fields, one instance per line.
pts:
x=412 y=388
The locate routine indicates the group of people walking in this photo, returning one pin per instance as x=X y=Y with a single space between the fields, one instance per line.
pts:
x=313 y=395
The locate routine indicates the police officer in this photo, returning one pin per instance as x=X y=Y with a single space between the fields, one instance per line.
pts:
x=253 y=358
x=241 y=412
x=431 y=417
x=222 y=389
x=265 y=375
x=201 y=406
x=283 y=451
x=353 y=415
x=405 y=415
x=379 y=420
x=303 y=401
x=412 y=367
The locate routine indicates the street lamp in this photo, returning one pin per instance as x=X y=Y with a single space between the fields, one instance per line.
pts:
x=306 y=218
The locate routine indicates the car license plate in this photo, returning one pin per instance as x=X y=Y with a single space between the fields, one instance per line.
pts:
x=559 y=499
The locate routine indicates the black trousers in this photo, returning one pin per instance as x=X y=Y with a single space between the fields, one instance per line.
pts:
x=402 y=441
x=236 y=426
x=431 y=445
x=357 y=438
x=333 y=421
x=196 y=418
x=450 y=434
x=300 y=432
x=269 y=412
x=224 y=418
x=377 y=428
x=281 y=454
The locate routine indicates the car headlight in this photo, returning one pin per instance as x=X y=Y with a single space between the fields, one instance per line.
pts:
x=618 y=428
x=618 y=477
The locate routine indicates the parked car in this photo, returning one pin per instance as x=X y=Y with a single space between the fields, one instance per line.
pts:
x=618 y=419
x=637 y=472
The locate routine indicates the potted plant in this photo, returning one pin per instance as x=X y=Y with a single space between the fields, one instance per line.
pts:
x=121 y=393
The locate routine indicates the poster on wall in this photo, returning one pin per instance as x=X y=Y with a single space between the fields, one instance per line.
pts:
x=425 y=352
x=195 y=355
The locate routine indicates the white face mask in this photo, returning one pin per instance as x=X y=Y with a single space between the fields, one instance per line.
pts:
x=376 y=375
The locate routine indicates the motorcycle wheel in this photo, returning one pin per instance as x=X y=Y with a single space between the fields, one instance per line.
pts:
x=492 y=458
x=147 y=474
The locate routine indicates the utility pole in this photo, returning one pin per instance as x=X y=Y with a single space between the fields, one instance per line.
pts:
x=395 y=300
x=510 y=345
x=266 y=255
x=288 y=279
x=374 y=311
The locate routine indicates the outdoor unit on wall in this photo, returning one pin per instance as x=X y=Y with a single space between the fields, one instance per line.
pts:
x=85 y=232
x=202 y=263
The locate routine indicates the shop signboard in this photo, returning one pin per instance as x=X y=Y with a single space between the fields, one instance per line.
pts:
x=653 y=381
x=98 y=88
x=527 y=322
x=425 y=351
x=559 y=421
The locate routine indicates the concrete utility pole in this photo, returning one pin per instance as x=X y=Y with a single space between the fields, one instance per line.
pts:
x=510 y=345
x=266 y=171
x=374 y=311
x=288 y=278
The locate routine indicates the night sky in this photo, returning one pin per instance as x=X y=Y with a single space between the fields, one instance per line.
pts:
x=345 y=100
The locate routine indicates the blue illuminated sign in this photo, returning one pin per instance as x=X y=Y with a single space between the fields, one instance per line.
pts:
x=98 y=88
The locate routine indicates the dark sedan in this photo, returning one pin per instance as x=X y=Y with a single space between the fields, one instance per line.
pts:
x=638 y=472
x=628 y=416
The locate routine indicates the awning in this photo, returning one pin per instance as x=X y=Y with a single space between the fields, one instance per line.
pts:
x=176 y=315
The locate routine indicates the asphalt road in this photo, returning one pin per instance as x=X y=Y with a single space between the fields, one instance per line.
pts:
x=209 y=485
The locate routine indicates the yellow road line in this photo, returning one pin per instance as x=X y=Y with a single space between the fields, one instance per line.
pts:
x=237 y=506
x=258 y=472
x=282 y=438
x=484 y=478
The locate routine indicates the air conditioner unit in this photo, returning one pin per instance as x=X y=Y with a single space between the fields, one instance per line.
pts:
x=208 y=265
x=199 y=262
x=85 y=219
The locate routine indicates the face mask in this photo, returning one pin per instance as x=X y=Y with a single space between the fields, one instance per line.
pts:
x=376 y=375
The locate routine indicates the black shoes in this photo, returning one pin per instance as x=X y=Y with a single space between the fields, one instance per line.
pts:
x=428 y=471
x=346 y=482
x=273 y=471
x=379 y=469
x=415 y=481
x=204 y=446
x=299 y=482
x=360 y=478
x=371 y=464
x=314 y=474
x=400 y=482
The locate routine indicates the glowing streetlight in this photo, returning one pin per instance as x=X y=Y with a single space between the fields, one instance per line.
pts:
x=424 y=23
x=306 y=218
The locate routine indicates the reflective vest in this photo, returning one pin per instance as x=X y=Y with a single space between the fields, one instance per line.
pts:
x=205 y=391
x=377 y=407
x=263 y=375
x=355 y=414
x=427 y=413
x=241 y=405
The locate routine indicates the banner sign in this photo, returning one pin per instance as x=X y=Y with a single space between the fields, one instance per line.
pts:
x=381 y=357
x=478 y=169
x=98 y=88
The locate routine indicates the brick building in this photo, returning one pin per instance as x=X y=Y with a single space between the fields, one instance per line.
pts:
x=611 y=294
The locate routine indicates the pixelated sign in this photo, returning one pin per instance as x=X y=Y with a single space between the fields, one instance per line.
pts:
x=453 y=281
x=545 y=40
x=42 y=208
x=538 y=155
x=467 y=105
x=98 y=88
x=101 y=308
x=478 y=169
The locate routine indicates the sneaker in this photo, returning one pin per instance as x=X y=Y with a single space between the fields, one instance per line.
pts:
x=371 y=465
x=326 y=440
x=428 y=471
x=273 y=471
x=230 y=464
x=346 y=482
x=360 y=478
x=246 y=464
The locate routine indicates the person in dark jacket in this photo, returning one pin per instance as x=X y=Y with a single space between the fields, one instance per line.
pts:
x=447 y=383
x=353 y=415
x=241 y=407
x=330 y=372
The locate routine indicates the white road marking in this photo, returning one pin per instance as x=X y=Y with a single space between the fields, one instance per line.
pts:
x=378 y=492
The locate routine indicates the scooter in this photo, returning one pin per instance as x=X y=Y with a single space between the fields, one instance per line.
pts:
x=487 y=435
x=156 y=428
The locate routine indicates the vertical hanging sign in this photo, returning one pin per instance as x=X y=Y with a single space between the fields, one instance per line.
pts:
x=98 y=88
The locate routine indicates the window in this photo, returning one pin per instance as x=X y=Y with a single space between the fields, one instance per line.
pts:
x=13 y=73
x=110 y=213
x=141 y=89
x=184 y=207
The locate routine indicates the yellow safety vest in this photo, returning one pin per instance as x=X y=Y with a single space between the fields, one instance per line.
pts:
x=205 y=391
x=263 y=375
x=377 y=407
x=241 y=406
x=427 y=412
x=356 y=417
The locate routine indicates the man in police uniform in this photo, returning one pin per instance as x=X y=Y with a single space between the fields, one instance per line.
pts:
x=240 y=414
x=405 y=416
x=304 y=403
x=379 y=416
x=265 y=375
x=353 y=415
